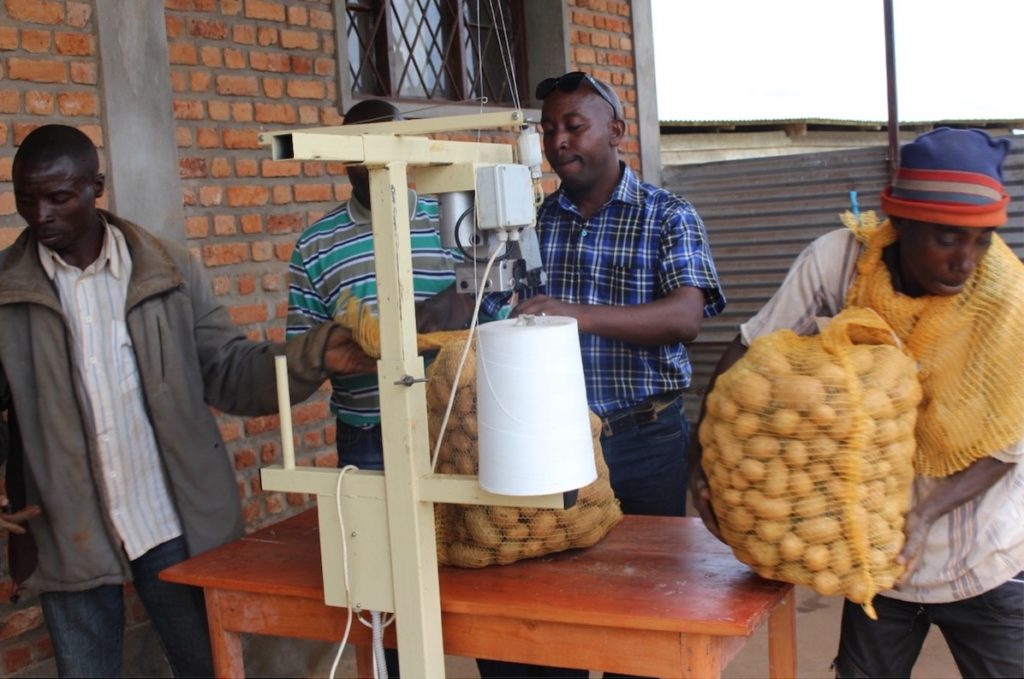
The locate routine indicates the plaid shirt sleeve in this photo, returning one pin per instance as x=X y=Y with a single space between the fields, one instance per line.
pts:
x=686 y=256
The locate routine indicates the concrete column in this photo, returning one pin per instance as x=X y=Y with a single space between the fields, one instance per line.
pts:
x=142 y=176
x=649 y=128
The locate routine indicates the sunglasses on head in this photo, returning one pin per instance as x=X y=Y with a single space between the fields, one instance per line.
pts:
x=570 y=82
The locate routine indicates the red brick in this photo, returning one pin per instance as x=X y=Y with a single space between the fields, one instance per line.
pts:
x=199 y=81
x=311 y=193
x=191 y=167
x=221 y=167
x=219 y=110
x=10 y=101
x=39 y=103
x=275 y=113
x=21 y=621
x=5 y=176
x=243 y=34
x=179 y=83
x=183 y=136
x=35 y=41
x=281 y=194
x=229 y=431
x=268 y=451
x=73 y=44
x=262 y=251
x=204 y=5
x=225 y=254
x=231 y=7
x=224 y=225
x=261 y=425
x=312 y=439
x=207 y=138
x=78 y=104
x=273 y=87
x=182 y=53
x=246 y=457
x=323 y=66
x=221 y=285
x=319 y=18
x=305 y=89
x=266 y=36
x=309 y=412
x=275 y=504
x=302 y=65
x=15 y=659
x=37 y=71
x=284 y=223
x=283 y=253
x=210 y=195
x=237 y=85
x=211 y=30
x=247 y=195
x=83 y=73
x=313 y=168
x=246 y=284
x=241 y=139
x=234 y=59
x=270 y=61
x=303 y=40
x=211 y=56
x=247 y=167
x=79 y=14
x=252 y=223
x=280 y=168
x=173 y=26
x=262 y=9
x=241 y=111
x=35 y=11
x=271 y=282
x=309 y=115
x=8 y=38
x=197 y=227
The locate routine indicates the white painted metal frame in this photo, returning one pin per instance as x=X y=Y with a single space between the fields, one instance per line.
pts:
x=389 y=518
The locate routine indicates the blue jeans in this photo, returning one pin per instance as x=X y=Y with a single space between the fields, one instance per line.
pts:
x=360 y=446
x=648 y=464
x=87 y=627
x=984 y=633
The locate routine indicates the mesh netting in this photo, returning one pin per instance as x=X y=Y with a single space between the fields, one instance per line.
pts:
x=808 y=448
x=967 y=346
x=474 y=536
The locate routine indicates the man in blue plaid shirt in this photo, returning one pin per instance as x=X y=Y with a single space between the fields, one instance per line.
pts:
x=631 y=263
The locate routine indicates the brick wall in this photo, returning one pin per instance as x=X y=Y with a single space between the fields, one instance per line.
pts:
x=238 y=67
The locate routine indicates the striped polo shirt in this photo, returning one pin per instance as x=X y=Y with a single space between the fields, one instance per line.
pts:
x=334 y=258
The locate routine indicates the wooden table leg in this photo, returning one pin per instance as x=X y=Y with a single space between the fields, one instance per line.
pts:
x=228 y=662
x=782 y=638
x=701 y=656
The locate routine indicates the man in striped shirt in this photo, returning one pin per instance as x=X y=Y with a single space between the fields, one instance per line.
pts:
x=333 y=260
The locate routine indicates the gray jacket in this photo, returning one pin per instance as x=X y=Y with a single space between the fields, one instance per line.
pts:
x=190 y=356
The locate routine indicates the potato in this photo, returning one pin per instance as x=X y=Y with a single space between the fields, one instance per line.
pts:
x=503 y=517
x=771 y=531
x=768 y=362
x=819 y=530
x=826 y=583
x=800 y=484
x=798 y=392
x=773 y=508
x=543 y=525
x=784 y=422
x=752 y=470
x=739 y=519
x=791 y=548
x=469 y=556
x=876 y=403
x=751 y=391
x=763 y=554
x=776 y=480
x=795 y=454
x=762 y=447
x=746 y=425
x=810 y=506
x=480 y=528
x=816 y=558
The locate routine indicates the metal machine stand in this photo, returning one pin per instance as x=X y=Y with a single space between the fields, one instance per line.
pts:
x=389 y=518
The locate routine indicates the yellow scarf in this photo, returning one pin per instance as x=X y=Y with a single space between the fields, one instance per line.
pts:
x=968 y=348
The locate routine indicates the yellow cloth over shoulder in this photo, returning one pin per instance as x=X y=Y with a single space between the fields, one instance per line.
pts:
x=968 y=349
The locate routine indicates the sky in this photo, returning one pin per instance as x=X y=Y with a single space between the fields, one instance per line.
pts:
x=779 y=59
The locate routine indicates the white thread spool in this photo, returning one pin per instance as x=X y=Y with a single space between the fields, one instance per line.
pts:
x=533 y=420
x=284 y=407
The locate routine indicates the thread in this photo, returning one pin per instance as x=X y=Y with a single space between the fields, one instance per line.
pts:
x=533 y=420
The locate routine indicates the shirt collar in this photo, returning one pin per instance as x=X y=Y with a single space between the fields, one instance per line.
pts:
x=627 y=191
x=111 y=255
x=360 y=214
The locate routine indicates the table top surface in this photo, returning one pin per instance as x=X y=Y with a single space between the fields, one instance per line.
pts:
x=653 y=573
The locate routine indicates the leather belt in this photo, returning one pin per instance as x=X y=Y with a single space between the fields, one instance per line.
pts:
x=640 y=414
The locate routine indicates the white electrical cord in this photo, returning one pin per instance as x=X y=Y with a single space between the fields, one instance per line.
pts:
x=462 y=361
x=344 y=563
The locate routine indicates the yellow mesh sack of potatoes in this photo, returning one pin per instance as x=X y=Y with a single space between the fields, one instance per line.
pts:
x=808 y=448
x=475 y=536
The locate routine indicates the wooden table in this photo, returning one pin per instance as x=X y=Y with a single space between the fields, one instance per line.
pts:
x=658 y=596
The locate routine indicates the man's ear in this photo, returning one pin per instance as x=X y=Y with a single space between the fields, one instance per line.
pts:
x=618 y=132
x=99 y=184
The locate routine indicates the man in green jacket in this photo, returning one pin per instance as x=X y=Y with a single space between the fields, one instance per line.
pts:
x=112 y=350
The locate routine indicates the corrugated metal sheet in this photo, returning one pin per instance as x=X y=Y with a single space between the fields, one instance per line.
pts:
x=760 y=213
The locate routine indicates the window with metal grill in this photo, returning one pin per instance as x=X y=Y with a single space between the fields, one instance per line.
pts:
x=435 y=50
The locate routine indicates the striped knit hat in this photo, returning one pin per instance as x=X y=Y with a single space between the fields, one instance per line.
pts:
x=950 y=177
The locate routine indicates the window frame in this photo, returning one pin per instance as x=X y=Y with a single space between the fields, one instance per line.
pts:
x=544 y=23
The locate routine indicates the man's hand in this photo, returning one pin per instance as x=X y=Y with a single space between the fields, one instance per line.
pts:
x=343 y=356
x=11 y=521
x=447 y=310
x=542 y=305
x=916 y=530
